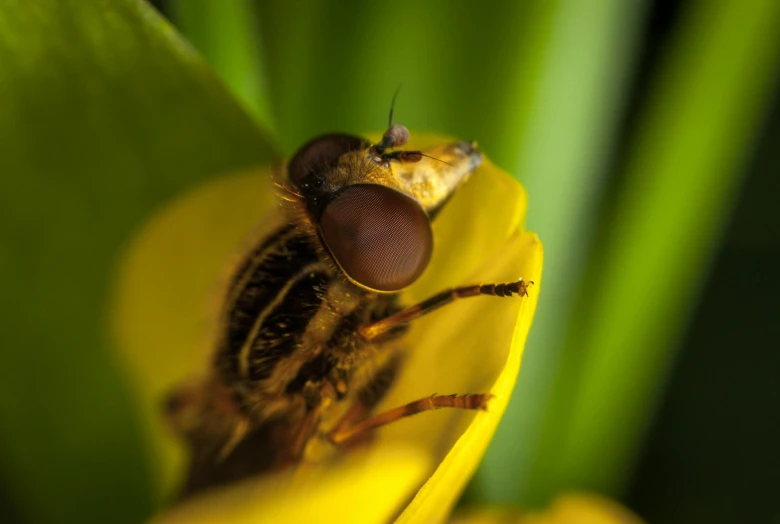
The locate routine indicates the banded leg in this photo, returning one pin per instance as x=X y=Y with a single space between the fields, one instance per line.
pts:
x=375 y=329
x=344 y=431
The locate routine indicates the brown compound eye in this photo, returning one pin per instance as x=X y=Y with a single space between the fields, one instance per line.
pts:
x=380 y=237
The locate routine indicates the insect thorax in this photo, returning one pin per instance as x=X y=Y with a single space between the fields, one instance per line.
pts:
x=289 y=326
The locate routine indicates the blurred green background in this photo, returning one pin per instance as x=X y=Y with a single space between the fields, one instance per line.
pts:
x=647 y=134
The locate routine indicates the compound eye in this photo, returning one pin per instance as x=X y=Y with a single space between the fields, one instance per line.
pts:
x=321 y=154
x=380 y=237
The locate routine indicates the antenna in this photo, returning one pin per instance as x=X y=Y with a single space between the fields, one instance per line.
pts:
x=392 y=106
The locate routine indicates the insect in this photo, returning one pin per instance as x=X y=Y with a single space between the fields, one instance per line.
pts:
x=312 y=324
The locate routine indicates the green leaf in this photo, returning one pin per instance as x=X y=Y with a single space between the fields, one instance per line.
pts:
x=106 y=114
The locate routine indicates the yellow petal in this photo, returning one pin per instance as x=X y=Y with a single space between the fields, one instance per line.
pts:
x=165 y=297
x=346 y=494
x=476 y=346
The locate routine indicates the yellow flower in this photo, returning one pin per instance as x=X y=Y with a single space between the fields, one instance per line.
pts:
x=417 y=468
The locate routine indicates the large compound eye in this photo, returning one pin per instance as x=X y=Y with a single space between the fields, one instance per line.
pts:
x=380 y=237
x=321 y=154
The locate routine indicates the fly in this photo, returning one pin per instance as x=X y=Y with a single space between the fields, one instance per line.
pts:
x=312 y=323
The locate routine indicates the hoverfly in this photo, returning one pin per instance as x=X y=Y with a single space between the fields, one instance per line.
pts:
x=311 y=328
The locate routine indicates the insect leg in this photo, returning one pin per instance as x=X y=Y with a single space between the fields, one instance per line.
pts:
x=369 y=396
x=236 y=436
x=343 y=432
x=318 y=396
x=356 y=414
x=373 y=330
x=305 y=431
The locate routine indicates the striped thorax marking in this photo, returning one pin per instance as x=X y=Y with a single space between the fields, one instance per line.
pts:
x=282 y=309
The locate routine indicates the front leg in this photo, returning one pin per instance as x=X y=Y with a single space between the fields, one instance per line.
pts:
x=375 y=329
